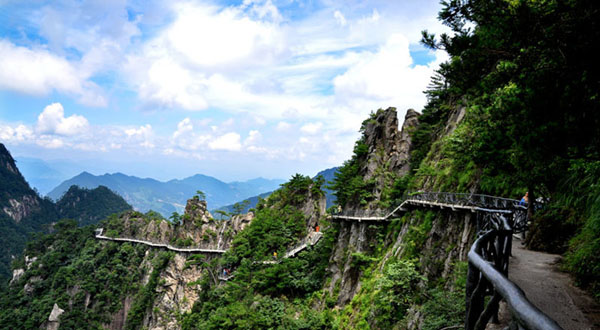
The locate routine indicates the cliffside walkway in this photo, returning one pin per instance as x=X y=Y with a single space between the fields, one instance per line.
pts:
x=310 y=240
x=497 y=219
x=99 y=235
x=441 y=200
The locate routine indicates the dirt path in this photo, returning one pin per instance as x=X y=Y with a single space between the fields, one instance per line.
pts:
x=551 y=290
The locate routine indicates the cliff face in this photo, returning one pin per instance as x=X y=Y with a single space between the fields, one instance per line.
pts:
x=388 y=149
x=195 y=228
x=436 y=241
x=387 y=159
x=21 y=211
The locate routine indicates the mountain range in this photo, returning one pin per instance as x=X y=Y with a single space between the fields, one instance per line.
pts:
x=328 y=175
x=23 y=212
x=146 y=194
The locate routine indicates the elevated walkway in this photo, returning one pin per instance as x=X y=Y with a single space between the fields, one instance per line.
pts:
x=99 y=235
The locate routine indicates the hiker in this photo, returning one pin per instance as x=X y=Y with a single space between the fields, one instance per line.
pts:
x=224 y=272
x=525 y=200
x=275 y=255
x=317 y=228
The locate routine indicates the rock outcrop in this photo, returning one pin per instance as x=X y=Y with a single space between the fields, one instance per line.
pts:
x=388 y=153
x=196 y=228
x=54 y=318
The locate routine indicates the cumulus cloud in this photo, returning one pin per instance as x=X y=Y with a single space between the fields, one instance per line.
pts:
x=143 y=135
x=385 y=78
x=53 y=121
x=311 y=128
x=39 y=72
x=229 y=141
x=253 y=138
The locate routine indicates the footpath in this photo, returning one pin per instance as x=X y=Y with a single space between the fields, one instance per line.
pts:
x=551 y=290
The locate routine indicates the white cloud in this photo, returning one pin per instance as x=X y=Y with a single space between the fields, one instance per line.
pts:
x=254 y=137
x=39 y=72
x=385 y=78
x=19 y=133
x=311 y=128
x=53 y=121
x=143 y=135
x=339 y=17
x=229 y=142
x=282 y=126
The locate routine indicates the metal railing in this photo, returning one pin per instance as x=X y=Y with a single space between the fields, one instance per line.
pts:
x=488 y=276
x=497 y=219
x=465 y=199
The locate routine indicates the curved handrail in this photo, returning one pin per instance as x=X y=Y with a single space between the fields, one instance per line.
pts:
x=524 y=312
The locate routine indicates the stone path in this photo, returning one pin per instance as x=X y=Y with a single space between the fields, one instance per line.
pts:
x=551 y=290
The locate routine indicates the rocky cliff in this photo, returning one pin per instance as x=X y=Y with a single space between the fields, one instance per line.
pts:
x=436 y=242
x=21 y=211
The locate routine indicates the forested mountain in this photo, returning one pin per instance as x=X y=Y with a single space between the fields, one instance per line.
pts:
x=168 y=197
x=23 y=212
x=515 y=109
x=90 y=206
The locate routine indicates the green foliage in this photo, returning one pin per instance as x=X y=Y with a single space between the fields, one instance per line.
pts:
x=269 y=295
x=239 y=207
x=396 y=292
x=145 y=297
x=348 y=184
x=417 y=234
x=72 y=264
x=443 y=307
x=200 y=195
x=88 y=206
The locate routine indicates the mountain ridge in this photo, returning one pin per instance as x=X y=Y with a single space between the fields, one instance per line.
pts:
x=170 y=196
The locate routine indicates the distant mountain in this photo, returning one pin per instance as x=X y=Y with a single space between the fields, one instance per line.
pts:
x=90 y=206
x=171 y=196
x=40 y=174
x=328 y=175
x=252 y=201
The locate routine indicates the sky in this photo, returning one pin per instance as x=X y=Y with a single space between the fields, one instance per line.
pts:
x=231 y=89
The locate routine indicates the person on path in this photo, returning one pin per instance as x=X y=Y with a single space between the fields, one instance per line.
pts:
x=275 y=255
x=525 y=200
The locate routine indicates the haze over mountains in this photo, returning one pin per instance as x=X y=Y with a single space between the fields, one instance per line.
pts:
x=328 y=175
x=146 y=194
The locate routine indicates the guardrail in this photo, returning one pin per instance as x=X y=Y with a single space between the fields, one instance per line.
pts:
x=98 y=235
x=488 y=276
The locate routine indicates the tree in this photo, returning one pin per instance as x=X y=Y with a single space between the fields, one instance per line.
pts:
x=222 y=214
x=527 y=71
x=239 y=207
x=175 y=218
x=200 y=194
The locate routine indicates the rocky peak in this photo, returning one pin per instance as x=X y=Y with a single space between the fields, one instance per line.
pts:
x=388 y=148
x=196 y=209
x=6 y=160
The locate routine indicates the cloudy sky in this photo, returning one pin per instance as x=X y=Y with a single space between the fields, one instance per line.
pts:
x=232 y=89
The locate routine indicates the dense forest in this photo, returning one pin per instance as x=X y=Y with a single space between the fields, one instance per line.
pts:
x=28 y=213
x=514 y=110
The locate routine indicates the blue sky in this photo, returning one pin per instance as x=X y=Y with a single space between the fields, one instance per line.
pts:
x=232 y=89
